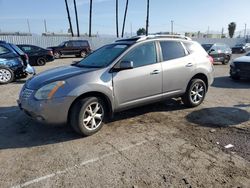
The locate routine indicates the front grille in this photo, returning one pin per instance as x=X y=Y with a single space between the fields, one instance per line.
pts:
x=26 y=93
x=242 y=66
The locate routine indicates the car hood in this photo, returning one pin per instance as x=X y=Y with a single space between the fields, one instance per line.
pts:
x=245 y=59
x=56 y=74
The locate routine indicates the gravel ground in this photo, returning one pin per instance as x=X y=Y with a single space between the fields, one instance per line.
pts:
x=160 y=145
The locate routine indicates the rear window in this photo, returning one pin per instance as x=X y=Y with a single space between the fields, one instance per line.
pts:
x=3 y=50
x=172 y=50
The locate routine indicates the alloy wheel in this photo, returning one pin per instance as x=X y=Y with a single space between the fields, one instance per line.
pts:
x=5 y=75
x=197 y=93
x=93 y=116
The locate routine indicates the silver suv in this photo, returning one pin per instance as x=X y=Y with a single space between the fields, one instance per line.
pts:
x=122 y=75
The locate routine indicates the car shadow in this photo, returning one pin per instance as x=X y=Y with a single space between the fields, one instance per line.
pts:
x=227 y=83
x=19 y=131
x=218 y=117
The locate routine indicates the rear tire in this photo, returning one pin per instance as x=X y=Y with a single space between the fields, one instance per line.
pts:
x=57 y=55
x=195 y=93
x=41 y=61
x=87 y=116
x=83 y=54
x=6 y=75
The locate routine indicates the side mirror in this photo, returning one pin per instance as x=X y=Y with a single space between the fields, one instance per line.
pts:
x=212 y=50
x=123 y=65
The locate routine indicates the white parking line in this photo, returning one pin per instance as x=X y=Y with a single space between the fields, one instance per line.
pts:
x=77 y=166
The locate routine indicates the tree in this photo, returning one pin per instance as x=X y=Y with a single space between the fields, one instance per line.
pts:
x=117 y=23
x=231 y=29
x=141 y=31
x=77 y=24
x=124 y=19
x=70 y=25
x=90 y=17
x=147 y=19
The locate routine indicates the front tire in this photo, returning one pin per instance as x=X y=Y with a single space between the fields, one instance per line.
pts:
x=226 y=60
x=87 y=116
x=41 y=61
x=6 y=75
x=195 y=93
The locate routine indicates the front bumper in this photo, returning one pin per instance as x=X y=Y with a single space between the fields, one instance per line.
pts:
x=237 y=72
x=52 y=111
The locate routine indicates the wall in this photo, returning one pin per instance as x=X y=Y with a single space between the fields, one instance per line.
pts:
x=46 y=41
x=228 y=41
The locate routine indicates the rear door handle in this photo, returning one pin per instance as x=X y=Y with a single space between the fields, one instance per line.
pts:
x=189 y=65
x=155 y=72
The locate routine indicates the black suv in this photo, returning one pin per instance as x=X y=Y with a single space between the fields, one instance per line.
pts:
x=14 y=63
x=219 y=52
x=78 y=48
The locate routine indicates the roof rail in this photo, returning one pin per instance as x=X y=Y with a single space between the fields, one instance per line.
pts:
x=144 y=37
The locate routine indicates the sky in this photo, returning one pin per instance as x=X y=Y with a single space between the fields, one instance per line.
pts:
x=188 y=15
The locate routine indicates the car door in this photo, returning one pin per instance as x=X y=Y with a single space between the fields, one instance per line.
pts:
x=177 y=66
x=68 y=48
x=141 y=84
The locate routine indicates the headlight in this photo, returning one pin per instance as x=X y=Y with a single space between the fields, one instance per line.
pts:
x=48 y=91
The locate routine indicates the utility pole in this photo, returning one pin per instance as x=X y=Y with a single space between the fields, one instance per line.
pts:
x=90 y=18
x=147 y=19
x=117 y=20
x=245 y=31
x=172 y=27
x=77 y=24
x=222 y=32
x=124 y=19
x=45 y=26
x=70 y=25
x=28 y=24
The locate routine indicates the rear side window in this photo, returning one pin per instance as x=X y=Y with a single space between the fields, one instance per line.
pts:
x=26 y=48
x=194 y=47
x=172 y=50
x=3 y=50
x=18 y=50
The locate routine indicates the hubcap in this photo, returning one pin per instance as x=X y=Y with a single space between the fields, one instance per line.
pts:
x=93 y=116
x=83 y=54
x=5 y=75
x=197 y=93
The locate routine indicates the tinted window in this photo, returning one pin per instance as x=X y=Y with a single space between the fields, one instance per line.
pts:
x=3 y=50
x=172 y=50
x=142 y=55
x=26 y=48
x=18 y=50
x=103 y=56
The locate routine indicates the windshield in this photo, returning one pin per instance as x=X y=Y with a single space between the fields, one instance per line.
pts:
x=207 y=46
x=62 y=44
x=103 y=56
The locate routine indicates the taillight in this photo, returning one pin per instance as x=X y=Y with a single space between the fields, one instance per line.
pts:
x=51 y=52
x=26 y=57
x=210 y=59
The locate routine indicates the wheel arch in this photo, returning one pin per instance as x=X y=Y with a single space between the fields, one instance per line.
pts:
x=201 y=76
x=105 y=98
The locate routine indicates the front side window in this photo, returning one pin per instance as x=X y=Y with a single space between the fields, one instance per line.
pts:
x=142 y=55
x=3 y=50
x=172 y=50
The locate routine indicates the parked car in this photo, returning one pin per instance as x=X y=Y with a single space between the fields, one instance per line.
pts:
x=241 y=48
x=37 y=55
x=122 y=75
x=72 y=47
x=13 y=63
x=219 y=52
x=240 y=67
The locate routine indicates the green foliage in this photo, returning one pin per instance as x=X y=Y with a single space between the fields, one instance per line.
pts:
x=141 y=31
x=231 y=29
